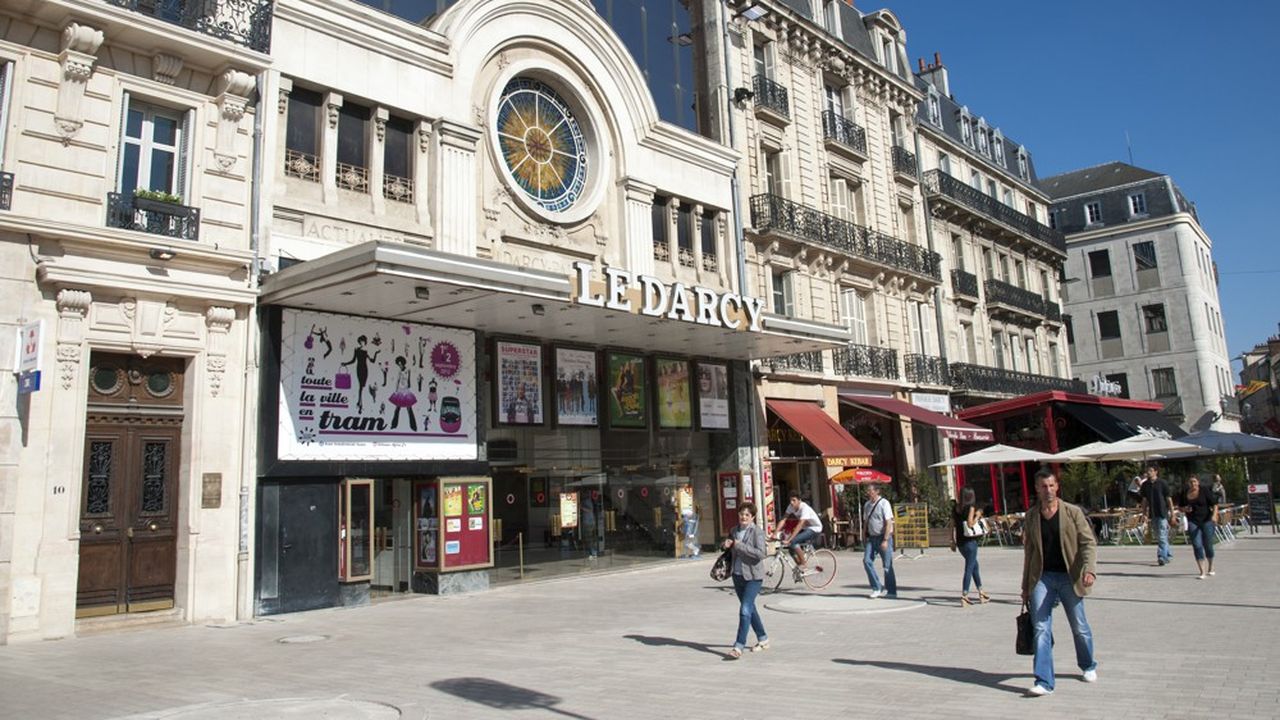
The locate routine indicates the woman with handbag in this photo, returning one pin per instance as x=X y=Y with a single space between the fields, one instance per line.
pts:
x=968 y=522
x=1200 y=509
x=748 y=548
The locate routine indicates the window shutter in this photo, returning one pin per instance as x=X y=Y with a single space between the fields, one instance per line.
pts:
x=913 y=319
x=6 y=71
x=124 y=122
x=789 y=293
x=926 y=347
x=185 y=149
x=839 y=199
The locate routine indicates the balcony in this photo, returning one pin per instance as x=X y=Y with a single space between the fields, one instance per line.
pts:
x=961 y=197
x=771 y=213
x=866 y=361
x=1052 y=312
x=1172 y=407
x=926 y=369
x=845 y=133
x=964 y=284
x=810 y=362
x=156 y=217
x=243 y=22
x=6 y=190
x=904 y=163
x=1231 y=407
x=1016 y=304
x=771 y=97
x=982 y=380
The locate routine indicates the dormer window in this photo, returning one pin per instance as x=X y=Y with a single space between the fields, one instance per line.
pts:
x=1024 y=166
x=997 y=144
x=831 y=16
x=935 y=107
x=966 y=128
x=984 y=145
x=888 y=55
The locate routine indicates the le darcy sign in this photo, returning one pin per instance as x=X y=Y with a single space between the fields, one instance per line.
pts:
x=677 y=301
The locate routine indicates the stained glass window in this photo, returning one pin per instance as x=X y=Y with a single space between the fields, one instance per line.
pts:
x=541 y=144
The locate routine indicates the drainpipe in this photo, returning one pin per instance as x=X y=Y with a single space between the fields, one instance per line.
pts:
x=249 y=389
x=740 y=241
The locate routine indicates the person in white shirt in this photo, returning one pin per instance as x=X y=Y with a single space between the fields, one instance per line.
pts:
x=807 y=527
x=877 y=537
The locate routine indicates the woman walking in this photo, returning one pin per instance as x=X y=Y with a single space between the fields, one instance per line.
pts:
x=968 y=516
x=1201 y=508
x=748 y=549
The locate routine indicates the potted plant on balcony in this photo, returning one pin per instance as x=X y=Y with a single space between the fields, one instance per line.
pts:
x=164 y=202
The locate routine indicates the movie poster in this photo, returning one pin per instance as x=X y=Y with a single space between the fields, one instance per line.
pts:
x=626 y=383
x=713 y=396
x=577 y=387
x=675 y=409
x=519 y=383
x=452 y=500
x=354 y=388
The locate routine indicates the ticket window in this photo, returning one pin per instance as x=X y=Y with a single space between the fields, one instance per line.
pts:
x=355 y=532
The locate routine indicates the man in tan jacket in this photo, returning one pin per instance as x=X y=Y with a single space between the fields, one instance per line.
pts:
x=1058 y=565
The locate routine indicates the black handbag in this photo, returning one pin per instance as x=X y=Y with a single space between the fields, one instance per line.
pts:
x=1026 y=642
x=723 y=566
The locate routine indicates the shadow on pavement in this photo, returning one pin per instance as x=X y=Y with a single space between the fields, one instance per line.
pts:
x=654 y=641
x=501 y=696
x=955 y=674
x=1245 y=606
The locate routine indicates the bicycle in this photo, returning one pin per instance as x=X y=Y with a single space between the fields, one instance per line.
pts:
x=819 y=570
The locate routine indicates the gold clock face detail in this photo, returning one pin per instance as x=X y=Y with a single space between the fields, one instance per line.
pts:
x=541 y=144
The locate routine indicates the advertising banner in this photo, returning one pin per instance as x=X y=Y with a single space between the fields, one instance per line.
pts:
x=577 y=387
x=626 y=382
x=519 y=388
x=354 y=388
x=713 y=396
x=675 y=408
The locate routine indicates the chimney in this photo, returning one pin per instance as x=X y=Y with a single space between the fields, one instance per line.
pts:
x=935 y=74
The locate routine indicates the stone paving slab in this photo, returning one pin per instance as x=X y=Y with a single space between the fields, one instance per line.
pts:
x=652 y=643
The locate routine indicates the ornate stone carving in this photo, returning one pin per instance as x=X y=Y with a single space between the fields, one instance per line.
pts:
x=333 y=108
x=80 y=44
x=218 y=322
x=282 y=100
x=380 y=118
x=232 y=101
x=424 y=137
x=165 y=68
x=73 y=306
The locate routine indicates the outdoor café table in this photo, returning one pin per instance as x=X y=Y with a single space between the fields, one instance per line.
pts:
x=1107 y=523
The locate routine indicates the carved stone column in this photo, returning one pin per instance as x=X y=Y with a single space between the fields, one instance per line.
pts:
x=329 y=147
x=217 y=322
x=637 y=244
x=457 y=203
x=421 y=169
x=80 y=44
x=233 y=98
x=73 y=306
x=378 y=159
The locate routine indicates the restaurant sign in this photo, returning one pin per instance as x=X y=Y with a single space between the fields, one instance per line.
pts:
x=676 y=301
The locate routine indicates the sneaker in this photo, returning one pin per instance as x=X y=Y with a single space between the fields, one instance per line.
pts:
x=1039 y=690
x=1210 y=572
x=1201 y=576
x=887 y=596
x=1090 y=676
x=876 y=594
x=760 y=646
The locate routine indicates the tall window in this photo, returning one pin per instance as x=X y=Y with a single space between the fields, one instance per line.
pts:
x=1045 y=285
x=1100 y=263
x=975 y=179
x=397 y=160
x=991 y=188
x=1023 y=165
x=983 y=146
x=957 y=251
x=661 y=236
x=1137 y=204
x=1093 y=213
x=1004 y=268
x=1164 y=383
x=1007 y=194
x=1015 y=353
x=1144 y=256
x=831 y=16
x=1033 y=357
x=152 y=154
x=1153 y=319
x=834 y=97
x=783 y=298
x=966 y=129
x=774 y=178
x=1109 y=325
x=353 y=166
x=710 y=262
x=944 y=163
x=1021 y=269
x=841 y=200
x=997 y=348
x=763 y=61
x=919 y=321
x=987 y=264
x=684 y=234
x=6 y=75
x=935 y=109
x=889 y=56
x=1053 y=219
x=854 y=308
x=1055 y=367
x=997 y=145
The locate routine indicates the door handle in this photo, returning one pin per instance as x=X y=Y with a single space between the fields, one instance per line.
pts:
x=152 y=526
x=97 y=529
x=287 y=546
x=128 y=532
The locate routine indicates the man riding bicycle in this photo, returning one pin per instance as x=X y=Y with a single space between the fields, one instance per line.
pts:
x=807 y=526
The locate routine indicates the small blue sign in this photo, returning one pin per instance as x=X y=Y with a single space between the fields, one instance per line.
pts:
x=28 y=382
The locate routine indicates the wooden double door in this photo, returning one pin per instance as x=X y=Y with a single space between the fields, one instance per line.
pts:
x=128 y=536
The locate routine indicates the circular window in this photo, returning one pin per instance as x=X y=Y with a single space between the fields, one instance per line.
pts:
x=541 y=144
x=107 y=380
x=159 y=383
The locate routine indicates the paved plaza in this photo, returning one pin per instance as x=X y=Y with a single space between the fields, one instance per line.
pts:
x=650 y=643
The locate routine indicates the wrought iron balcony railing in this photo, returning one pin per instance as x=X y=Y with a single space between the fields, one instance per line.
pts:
x=866 y=361
x=153 y=216
x=844 y=131
x=1052 y=311
x=997 y=381
x=243 y=22
x=904 y=161
x=964 y=283
x=6 y=190
x=771 y=212
x=1231 y=407
x=1172 y=406
x=803 y=362
x=1000 y=292
x=399 y=189
x=771 y=95
x=939 y=183
x=926 y=369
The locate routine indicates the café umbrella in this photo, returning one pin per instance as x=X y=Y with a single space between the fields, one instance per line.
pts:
x=1138 y=447
x=996 y=455
x=1214 y=442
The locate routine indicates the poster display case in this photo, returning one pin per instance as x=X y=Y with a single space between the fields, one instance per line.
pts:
x=355 y=531
x=452 y=524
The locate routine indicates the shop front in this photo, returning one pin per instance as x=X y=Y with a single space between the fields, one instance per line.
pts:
x=806 y=448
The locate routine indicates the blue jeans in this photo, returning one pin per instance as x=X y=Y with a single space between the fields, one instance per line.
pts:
x=1054 y=587
x=1201 y=536
x=748 y=616
x=869 y=554
x=1160 y=527
x=969 y=549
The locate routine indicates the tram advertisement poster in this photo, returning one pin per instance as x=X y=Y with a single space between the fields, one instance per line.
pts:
x=675 y=408
x=568 y=509
x=354 y=388
x=452 y=500
x=626 y=383
x=577 y=387
x=519 y=390
x=713 y=396
x=466 y=538
x=427 y=530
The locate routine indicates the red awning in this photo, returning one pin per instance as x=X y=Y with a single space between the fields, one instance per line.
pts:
x=951 y=428
x=837 y=446
x=859 y=476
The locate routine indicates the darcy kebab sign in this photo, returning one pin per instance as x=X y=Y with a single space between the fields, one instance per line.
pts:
x=354 y=388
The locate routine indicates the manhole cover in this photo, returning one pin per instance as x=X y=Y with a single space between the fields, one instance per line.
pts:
x=302 y=639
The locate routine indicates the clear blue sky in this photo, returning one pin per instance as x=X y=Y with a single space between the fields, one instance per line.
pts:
x=1194 y=84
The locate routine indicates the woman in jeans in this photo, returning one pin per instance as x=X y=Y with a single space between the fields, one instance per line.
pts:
x=748 y=549
x=1201 y=508
x=967 y=514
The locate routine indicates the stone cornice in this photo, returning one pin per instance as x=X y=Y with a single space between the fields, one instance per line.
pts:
x=368 y=28
x=937 y=137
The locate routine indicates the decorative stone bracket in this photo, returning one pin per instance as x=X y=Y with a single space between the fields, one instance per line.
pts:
x=73 y=306
x=233 y=98
x=165 y=68
x=80 y=44
x=218 y=322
